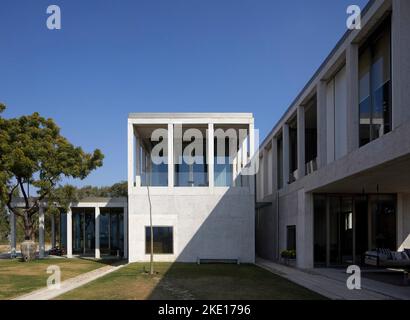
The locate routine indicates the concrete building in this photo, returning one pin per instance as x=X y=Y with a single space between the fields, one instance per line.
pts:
x=95 y=227
x=200 y=210
x=334 y=177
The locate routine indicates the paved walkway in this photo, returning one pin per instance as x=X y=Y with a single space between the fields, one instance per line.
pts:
x=70 y=284
x=331 y=287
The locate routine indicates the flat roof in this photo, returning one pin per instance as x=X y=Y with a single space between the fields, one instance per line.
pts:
x=159 y=115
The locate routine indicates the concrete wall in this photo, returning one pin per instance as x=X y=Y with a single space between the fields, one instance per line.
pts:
x=213 y=223
x=266 y=230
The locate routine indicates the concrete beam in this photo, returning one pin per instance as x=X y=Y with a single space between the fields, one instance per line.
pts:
x=41 y=232
x=170 y=155
x=301 y=142
x=131 y=147
x=97 y=233
x=286 y=153
x=211 y=151
x=352 y=72
x=400 y=61
x=12 y=235
x=321 y=124
x=304 y=230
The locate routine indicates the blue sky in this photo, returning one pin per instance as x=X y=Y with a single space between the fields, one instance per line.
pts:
x=114 y=57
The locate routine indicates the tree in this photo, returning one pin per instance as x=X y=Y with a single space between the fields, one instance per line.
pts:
x=33 y=152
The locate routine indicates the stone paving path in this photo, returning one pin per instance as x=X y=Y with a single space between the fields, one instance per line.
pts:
x=331 y=288
x=70 y=284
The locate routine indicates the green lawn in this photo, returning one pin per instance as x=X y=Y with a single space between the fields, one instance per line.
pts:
x=190 y=281
x=17 y=278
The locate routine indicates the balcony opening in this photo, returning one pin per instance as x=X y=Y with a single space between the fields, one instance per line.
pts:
x=375 y=85
x=279 y=174
x=190 y=156
x=151 y=165
x=231 y=154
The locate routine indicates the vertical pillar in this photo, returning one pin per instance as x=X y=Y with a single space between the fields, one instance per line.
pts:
x=275 y=187
x=97 y=233
x=321 y=124
x=69 y=234
x=41 y=231
x=137 y=161
x=53 y=231
x=285 y=150
x=352 y=72
x=131 y=146
x=144 y=180
x=126 y=231
x=211 y=152
x=265 y=177
x=274 y=172
x=12 y=235
x=400 y=62
x=301 y=142
x=304 y=230
x=170 y=155
x=254 y=157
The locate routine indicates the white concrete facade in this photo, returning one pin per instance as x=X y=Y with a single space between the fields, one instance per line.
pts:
x=342 y=167
x=208 y=221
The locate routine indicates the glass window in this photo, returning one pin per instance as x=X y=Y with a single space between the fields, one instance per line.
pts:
x=375 y=86
x=291 y=237
x=163 y=240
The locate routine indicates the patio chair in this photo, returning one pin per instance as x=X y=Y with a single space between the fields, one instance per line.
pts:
x=386 y=258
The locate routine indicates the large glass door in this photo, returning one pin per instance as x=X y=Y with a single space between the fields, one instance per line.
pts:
x=347 y=226
x=83 y=230
x=112 y=231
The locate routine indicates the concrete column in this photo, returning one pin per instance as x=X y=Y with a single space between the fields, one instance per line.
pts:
x=352 y=74
x=265 y=177
x=131 y=146
x=252 y=155
x=12 y=235
x=400 y=62
x=211 y=152
x=301 y=141
x=53 y=231
x=137 y=161
x=285 y=151
x=97 y=233
x=274 y=174
x=321 y=124
x=41 y=232
x=170 y=155
x=126 y=232
x=304 y=230
x=69 y=234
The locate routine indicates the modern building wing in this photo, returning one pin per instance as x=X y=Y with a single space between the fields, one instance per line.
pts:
x=185 y=174
x=334 y=177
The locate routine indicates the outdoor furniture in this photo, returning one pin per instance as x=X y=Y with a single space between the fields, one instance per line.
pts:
x=386 y=258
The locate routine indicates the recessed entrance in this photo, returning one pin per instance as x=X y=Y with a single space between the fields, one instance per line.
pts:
x=346 y=226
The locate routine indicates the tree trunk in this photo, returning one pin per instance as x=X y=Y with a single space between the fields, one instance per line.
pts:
x=28 y=227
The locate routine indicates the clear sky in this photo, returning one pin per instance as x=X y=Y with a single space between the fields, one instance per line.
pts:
x=115 y=57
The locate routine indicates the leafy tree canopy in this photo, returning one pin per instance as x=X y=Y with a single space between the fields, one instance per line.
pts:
x=32 y=151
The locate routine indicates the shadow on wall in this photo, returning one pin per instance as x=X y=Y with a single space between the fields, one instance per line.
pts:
x=227 y=233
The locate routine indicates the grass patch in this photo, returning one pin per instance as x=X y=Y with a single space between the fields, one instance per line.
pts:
x=180 y=281
x=17 y=277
